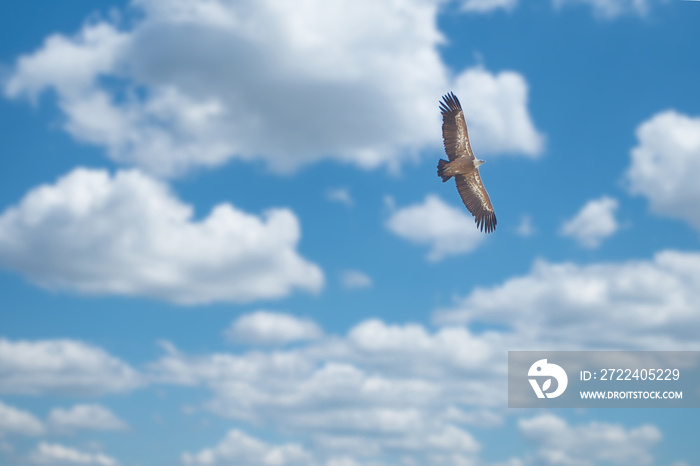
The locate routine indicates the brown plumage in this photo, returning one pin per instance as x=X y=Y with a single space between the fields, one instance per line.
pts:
x=463 y=166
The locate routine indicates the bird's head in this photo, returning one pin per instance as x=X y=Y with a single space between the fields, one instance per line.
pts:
x=478 y=162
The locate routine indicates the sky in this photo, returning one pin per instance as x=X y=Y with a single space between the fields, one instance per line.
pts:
x=223 y=240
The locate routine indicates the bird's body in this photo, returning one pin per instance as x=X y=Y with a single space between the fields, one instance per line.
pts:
x=463 y=165
x=460 y=166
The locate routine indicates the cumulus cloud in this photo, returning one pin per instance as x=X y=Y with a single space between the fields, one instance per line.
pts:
x=387 y=391
x=455 y=347
x=264 y=327
x=640 y=304
x=239 y=448
x=609 y=9
x=560 y=443
x=56 y=454
x=383 y=393
x=62 y=366
x=380 y=391
x=16 y=421
x=496 y=113
x=340 y=195
x=487 y=6
x=593 y=223
x=69 y=65
x=197 y=83
x=447 y=230
x=526 y=228
x=354 y=279
x=127 y=234
x=665 y=165
x=85 y=416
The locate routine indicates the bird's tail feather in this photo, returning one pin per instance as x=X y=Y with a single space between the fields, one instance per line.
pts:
x=441 y=170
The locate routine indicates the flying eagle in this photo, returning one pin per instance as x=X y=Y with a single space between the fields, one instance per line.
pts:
x=463 y=165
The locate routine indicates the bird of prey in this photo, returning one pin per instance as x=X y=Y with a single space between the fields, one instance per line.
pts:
x=463 y=166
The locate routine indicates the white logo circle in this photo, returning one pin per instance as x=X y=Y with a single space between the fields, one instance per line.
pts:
x=543 y=369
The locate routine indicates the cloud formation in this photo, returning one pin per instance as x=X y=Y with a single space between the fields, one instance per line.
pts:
x=560 y=443
x=60 y=455
x=639 y=304
x=355 y=279
x=487 y=6
x=275 y=328
x=16 y=421
x=340 y=195
x=62 y=366
x=495 y=108
x=239 y=448
x=447 y=230
x=194 y=84
x=665 y=166
x=609 y=9
x=593 y=223
x=383 y=392
x=525 y=227
x=386 y=392
x=85 y=416
x=127 y=234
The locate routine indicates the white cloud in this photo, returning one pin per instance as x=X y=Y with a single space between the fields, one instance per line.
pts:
x=70 y=65
x=526 y=228
x=264 y=327
x=354 y=279
x=58 y=455
x=16 y=421
x=199 y=83
x=62 y=366
x=486 y=6
x=127 y=234
x=478 y=417
x=665 y=166
x=447 y=230
x=239 y=448
x=593 y=223
x=450 y=446
x=642 y=304
x=85 y=416
x=341 y=195
x=609 y=9
x=589 y=444
x=386 y=393
x=495 y=107
x=382 y=390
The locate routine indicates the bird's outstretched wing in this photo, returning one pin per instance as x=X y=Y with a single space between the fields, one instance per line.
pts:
x=477 y=200
x=454 y=128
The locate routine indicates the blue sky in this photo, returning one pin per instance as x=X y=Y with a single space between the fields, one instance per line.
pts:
x=223 y=241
